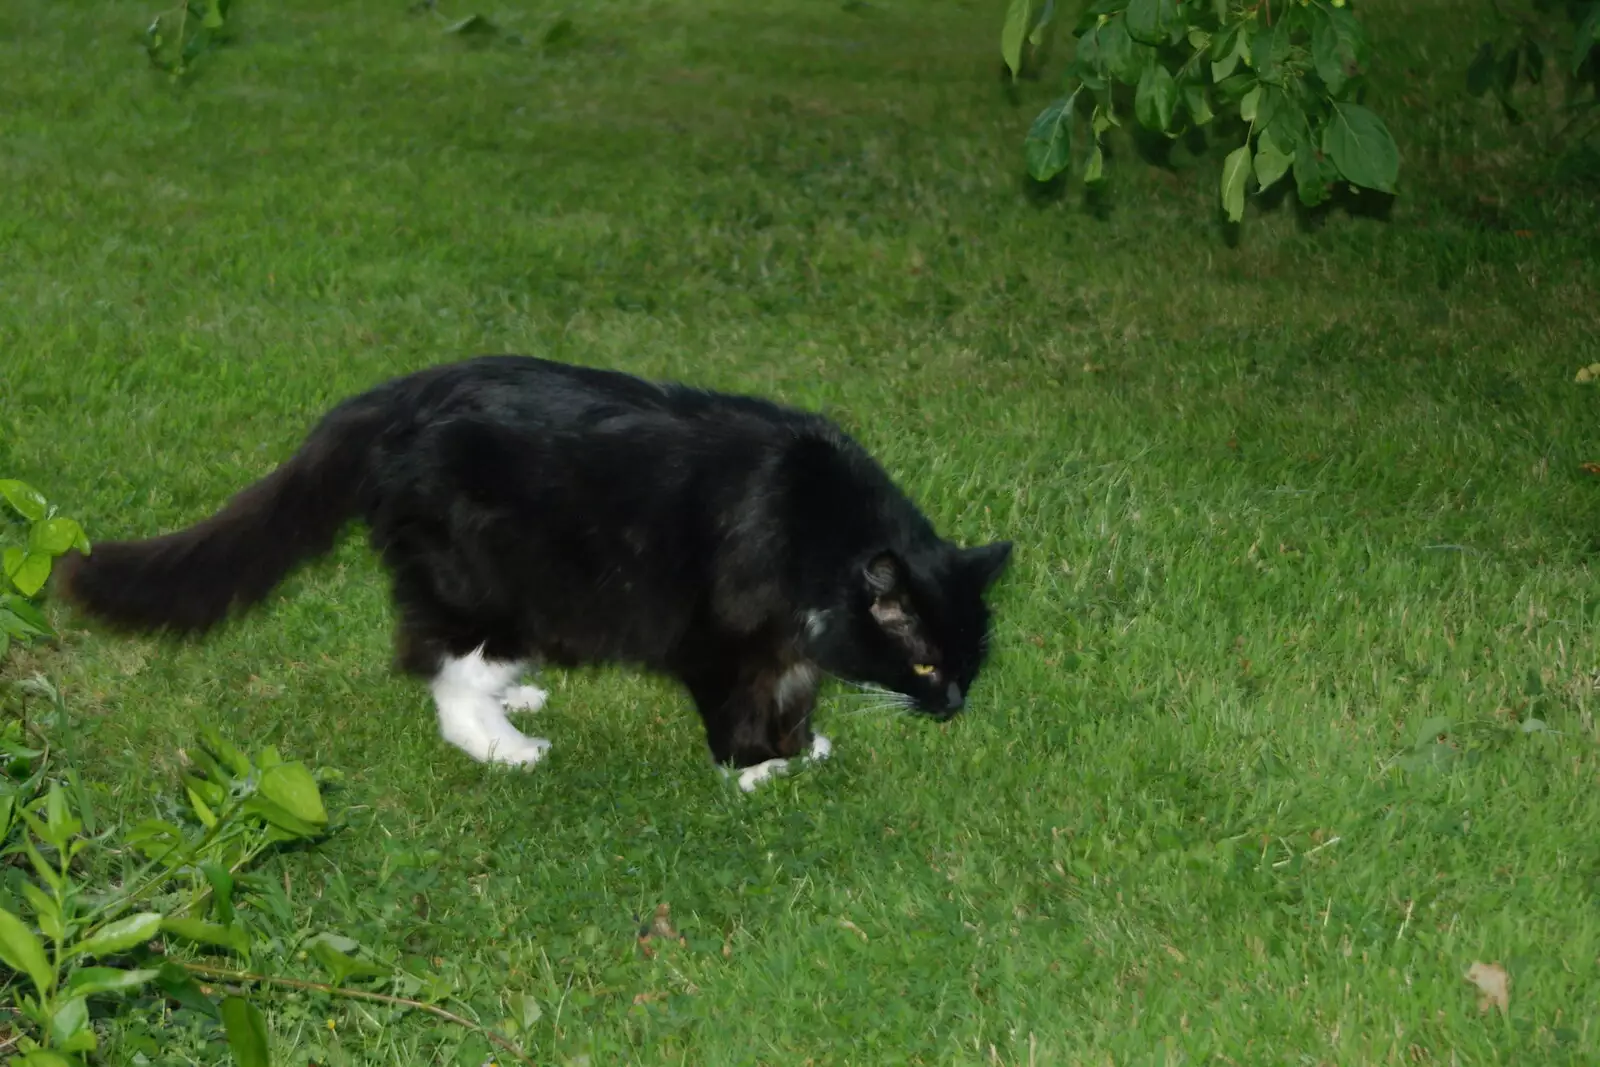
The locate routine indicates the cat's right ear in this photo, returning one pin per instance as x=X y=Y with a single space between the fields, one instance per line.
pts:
x=881 y=574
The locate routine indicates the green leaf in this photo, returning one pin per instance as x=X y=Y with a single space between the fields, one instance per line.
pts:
x=30 y=615
x=1360 y=146
x=1248 y=104
x=70 y=1025
x=1013 y=33
x=14 y=626
x=1198 y=102
x=1480 y=75
x=28 y=501
x=291 y=787
x=28 y=571
x=528 y=1011
x=1155 y=98
x=221 y=891
x=1036 y=35
x=1588 y=36
x=202 y=810
x=153 y=838
x=1338 y=46
x=1228 y=50
x=213 y=16
x=60 y=824
x=1271 y=162
x=54 y=536
x=180 y=985
x=20 y=950
x=1506 y=74
x=1268 y=51
x=247 y=1032
x=47 y=874
x=82 y=804
x=119 y=936
x=94 y=981
x=1095 y=169
x=1533 y=60
x=231 y=937
x=1117 y=54
x=1271 y=103
x=1235 y=172
x=342 y=967
x=1308 y=178
x=46 y=912
x=43 y=1057
x=230 y=755
x=1048 y=149
x=1151 y=21
x=279 y=821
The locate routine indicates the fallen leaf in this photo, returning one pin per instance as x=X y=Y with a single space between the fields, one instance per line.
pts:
x=1175 y=954
x=660 y=928
x=853 y=928
x=647 y=998
x=1493 y=982
x=1591 y=468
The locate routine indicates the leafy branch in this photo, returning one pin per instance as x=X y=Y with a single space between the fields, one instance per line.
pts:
x=72 y=939
x=177 y=37
x=220 y=974
x=1289 y=75
x=1522 y=50
x=26 y=567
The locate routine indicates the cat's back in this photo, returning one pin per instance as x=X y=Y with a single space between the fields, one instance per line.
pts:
x=539 y=396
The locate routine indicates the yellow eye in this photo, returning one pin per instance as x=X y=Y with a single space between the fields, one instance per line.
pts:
x=923 y=669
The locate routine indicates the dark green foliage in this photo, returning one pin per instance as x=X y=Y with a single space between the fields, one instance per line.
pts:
x=1280 y=83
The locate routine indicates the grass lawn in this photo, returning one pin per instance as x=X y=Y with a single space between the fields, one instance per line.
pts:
x=1291 y=504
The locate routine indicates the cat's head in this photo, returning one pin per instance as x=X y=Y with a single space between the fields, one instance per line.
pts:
x=915 y=624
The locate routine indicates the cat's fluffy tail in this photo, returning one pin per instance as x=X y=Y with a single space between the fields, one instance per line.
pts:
x=190 y=580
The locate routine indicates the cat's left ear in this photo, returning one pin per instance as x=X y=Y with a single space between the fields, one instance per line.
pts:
x=988 y=562
x=881 y=574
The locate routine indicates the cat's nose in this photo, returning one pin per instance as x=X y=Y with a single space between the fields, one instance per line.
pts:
x=952 y=698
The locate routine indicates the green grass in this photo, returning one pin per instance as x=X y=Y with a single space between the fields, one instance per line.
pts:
x=1286 y=501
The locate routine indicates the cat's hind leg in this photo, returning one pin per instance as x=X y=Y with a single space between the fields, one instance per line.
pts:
x=471 y=678
x=471 y=694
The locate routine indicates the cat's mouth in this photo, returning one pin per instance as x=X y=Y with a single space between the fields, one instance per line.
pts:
x=945 y=710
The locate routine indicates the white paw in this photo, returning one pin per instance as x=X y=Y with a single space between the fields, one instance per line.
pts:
x=821 y=748
x=522 y=752
x=754 y=775
x=523 y=698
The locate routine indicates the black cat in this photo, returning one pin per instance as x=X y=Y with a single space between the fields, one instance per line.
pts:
x=530 y=510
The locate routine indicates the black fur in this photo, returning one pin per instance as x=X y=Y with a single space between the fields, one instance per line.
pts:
x=580 y=516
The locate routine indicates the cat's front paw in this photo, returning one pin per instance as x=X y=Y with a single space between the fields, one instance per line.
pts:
x=755 y=774
x=821 y=749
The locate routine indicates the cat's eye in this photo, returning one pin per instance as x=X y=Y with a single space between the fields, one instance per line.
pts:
x=923 y=669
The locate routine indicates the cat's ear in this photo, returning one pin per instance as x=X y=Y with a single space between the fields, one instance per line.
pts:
x=881 y=574
x=988 y=562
